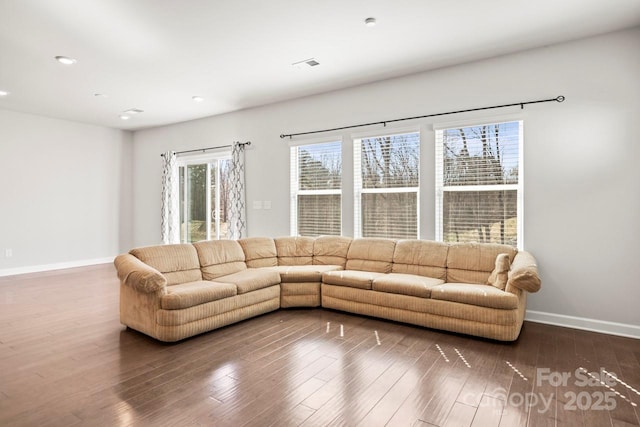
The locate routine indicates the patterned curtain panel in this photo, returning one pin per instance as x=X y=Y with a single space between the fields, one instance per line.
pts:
x=170 y=215
x=238 y=225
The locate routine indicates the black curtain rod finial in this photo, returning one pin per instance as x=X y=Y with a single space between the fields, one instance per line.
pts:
x=560 y=98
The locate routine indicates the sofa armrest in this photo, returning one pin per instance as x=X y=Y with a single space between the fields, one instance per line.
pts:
x=524 y=273
x=138 y=275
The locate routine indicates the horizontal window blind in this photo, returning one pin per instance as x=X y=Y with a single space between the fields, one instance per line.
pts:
x=390 y=215
x=319 y=214
x=479 y=183
x=386 y=181
x=316 y=189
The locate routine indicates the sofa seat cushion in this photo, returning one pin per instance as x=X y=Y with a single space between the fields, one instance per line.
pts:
x=406 y=284
x=481 y=295
x=191 y=294
x=251 y=279
x=351 y=278
x=302 y=273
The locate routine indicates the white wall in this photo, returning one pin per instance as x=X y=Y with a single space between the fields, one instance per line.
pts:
x=65 y=192
x=582 y=180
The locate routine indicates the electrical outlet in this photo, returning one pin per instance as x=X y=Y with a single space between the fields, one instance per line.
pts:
x=8 y=253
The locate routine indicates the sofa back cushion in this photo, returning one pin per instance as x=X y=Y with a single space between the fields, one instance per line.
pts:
x=421 y=257
x=474 y=262
x=259 y=252
x=178 y=263
x=331 y=250
x=294 y=250
x=219 y=258
x=371 y=254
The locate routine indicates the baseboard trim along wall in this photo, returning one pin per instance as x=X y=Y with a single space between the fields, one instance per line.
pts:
x=56 y=266
x=593 y=325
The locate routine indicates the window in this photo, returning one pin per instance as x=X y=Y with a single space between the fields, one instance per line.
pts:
x=204 y=197
x=479 y=184
x=387 y=190
x=316 y=189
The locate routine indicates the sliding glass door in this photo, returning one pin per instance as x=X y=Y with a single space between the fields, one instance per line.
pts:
x=204 y=199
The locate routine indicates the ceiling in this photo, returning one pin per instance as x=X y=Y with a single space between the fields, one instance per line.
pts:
x=155 y=55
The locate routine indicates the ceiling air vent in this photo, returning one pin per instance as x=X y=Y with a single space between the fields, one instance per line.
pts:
x=311 y=62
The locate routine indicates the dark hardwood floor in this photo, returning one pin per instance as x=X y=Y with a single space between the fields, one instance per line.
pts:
x=65 y=360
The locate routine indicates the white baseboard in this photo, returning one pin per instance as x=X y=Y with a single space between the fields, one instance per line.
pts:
x=56 y=266
x=593 y=325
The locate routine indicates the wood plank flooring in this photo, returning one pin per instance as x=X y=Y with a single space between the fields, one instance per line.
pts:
x=65 y=360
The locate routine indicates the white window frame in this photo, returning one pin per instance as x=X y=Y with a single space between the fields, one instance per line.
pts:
x=200 y=159
x=295 y=182
x=439 y=179
x=358 y=191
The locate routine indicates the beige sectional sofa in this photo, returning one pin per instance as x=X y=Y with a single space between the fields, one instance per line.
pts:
x=172 y=292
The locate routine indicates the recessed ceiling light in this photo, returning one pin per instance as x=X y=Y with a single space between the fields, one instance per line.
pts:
x=133 y=111
x=311 y=62
x=197 y=98
x=4 y=93
x=124 y=117
x=370 y=22
x=66 y=60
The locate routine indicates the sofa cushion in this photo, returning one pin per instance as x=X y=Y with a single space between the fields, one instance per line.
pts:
x=331 y=250
x=259 y=252
x=481 y=295
x=498 y=276
x=473 y=262
x=302 y=273
x=194 y=293
x=251 y=279
x=524 y=273
x=406 y=284
x=370 y=254
x=294 y=250
x=351 y=278
x=219 y=258
x=178 y=263
x=423 y=257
